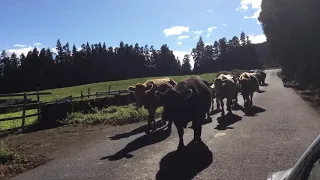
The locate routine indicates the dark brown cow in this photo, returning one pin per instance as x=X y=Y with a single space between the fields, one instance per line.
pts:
x=145 y=96
x=188 y=101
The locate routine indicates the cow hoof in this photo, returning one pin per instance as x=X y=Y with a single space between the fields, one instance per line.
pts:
x=180 y=148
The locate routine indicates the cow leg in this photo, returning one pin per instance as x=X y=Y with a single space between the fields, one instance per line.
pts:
x=218 y=99
x=152 y=119
x=197 y=129
x=229 y=102
x=212 y=105
x=251 y=96
x=222 y=107
x=180 y=133
x=244 y=100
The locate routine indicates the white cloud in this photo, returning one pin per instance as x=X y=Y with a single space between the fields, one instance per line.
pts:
x=208 y=35
x=200 y=13
x=19 y=51
x=207 y=44
x=176 y=30
x=54 y=50
x=181 y=54
x=224 y=24
x=210 y=11
x=198 y=32
x=255 y=4
x=183 y=37
x=210 y=29
x=196 y=37
x=19 y=45
x=258 y=38
x=37 y=44
x=179 y=43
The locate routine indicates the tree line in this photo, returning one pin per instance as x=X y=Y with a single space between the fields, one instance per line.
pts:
x=97 y=62
x=292 y=31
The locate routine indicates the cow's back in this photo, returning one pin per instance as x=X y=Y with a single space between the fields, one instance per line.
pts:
x=200 y=101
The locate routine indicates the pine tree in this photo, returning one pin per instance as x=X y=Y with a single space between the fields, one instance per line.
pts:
x=186 y=66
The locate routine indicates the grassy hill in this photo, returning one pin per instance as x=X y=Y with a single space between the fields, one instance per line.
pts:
x=60 y=93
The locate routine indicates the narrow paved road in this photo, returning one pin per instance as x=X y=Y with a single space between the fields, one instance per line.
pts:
x=272 y=139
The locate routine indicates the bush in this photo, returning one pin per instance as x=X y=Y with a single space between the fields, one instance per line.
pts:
x=113 y=115
x=6 y=156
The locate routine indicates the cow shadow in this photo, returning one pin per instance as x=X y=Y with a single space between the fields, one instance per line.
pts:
x=143 y=141
x=265 y=84
x=135 y=131
x=253 y=111
x=227 y=120
x=261 y=91
x=186 y=164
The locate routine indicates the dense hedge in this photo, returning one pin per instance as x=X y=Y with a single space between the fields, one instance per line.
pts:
x=50 y=113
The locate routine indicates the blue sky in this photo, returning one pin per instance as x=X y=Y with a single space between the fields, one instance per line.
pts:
x=178 y=23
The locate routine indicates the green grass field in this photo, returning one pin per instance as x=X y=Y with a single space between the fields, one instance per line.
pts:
x=60 y=93
x=4 y=125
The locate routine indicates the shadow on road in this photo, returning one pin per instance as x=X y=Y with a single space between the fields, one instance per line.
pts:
x=138 y=130
x=185 y=165
x=265 y=84
x=145 y=140
x=261 y=91
x=253 y=111
x=227 y=120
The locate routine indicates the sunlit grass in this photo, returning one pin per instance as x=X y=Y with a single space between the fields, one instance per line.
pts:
x=4 y=125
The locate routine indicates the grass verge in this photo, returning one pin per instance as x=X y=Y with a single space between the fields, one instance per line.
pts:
x=113 y=115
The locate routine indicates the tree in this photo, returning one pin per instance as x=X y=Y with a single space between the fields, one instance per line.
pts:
x=198 y=56
x=14 y=61
x=186 y=66
x=59 y=57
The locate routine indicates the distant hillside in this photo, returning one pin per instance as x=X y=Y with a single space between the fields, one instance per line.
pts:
x=262 y=51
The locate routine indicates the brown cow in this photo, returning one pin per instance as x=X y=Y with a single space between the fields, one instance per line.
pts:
x=248 y=84
x=145 y=96
x=188 y=101
x=225 y=87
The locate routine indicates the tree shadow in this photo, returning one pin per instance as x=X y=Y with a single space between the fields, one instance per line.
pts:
x=138 y=130
x=253 y=111
x=145 y=140
x=227 y=120
x=186 y=164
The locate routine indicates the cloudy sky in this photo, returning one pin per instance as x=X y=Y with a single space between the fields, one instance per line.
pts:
x=177 y=23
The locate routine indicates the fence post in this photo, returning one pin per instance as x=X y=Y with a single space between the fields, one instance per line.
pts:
x=24 y=110
x=38 y=99
x=88 y=92
x=81 y=94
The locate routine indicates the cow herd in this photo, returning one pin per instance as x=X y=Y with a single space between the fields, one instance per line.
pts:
x=191 y=99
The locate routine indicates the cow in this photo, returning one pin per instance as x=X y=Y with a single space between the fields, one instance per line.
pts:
x=225 y=87
x=212 y=99
x=248 y=84
x=188 y=101
x=145 y=96
x=284 y=80
x=260 y=75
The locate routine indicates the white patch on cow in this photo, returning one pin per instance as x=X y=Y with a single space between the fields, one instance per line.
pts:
x=219 y=134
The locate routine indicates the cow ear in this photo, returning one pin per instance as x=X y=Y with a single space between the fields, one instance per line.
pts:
x=187 y=94
x=159 y=94
x=149 y=87
x=131 y=88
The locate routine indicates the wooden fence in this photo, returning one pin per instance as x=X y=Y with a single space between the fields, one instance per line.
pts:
x=101 y=93
x=24 y=106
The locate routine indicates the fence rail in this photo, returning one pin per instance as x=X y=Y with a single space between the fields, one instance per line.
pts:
x=24 y=106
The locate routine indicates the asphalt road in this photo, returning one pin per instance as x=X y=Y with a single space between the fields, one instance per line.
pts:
x=246 y=147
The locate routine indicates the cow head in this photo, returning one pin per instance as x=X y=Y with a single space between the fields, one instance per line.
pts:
x=172 y=101
x=140 y=92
